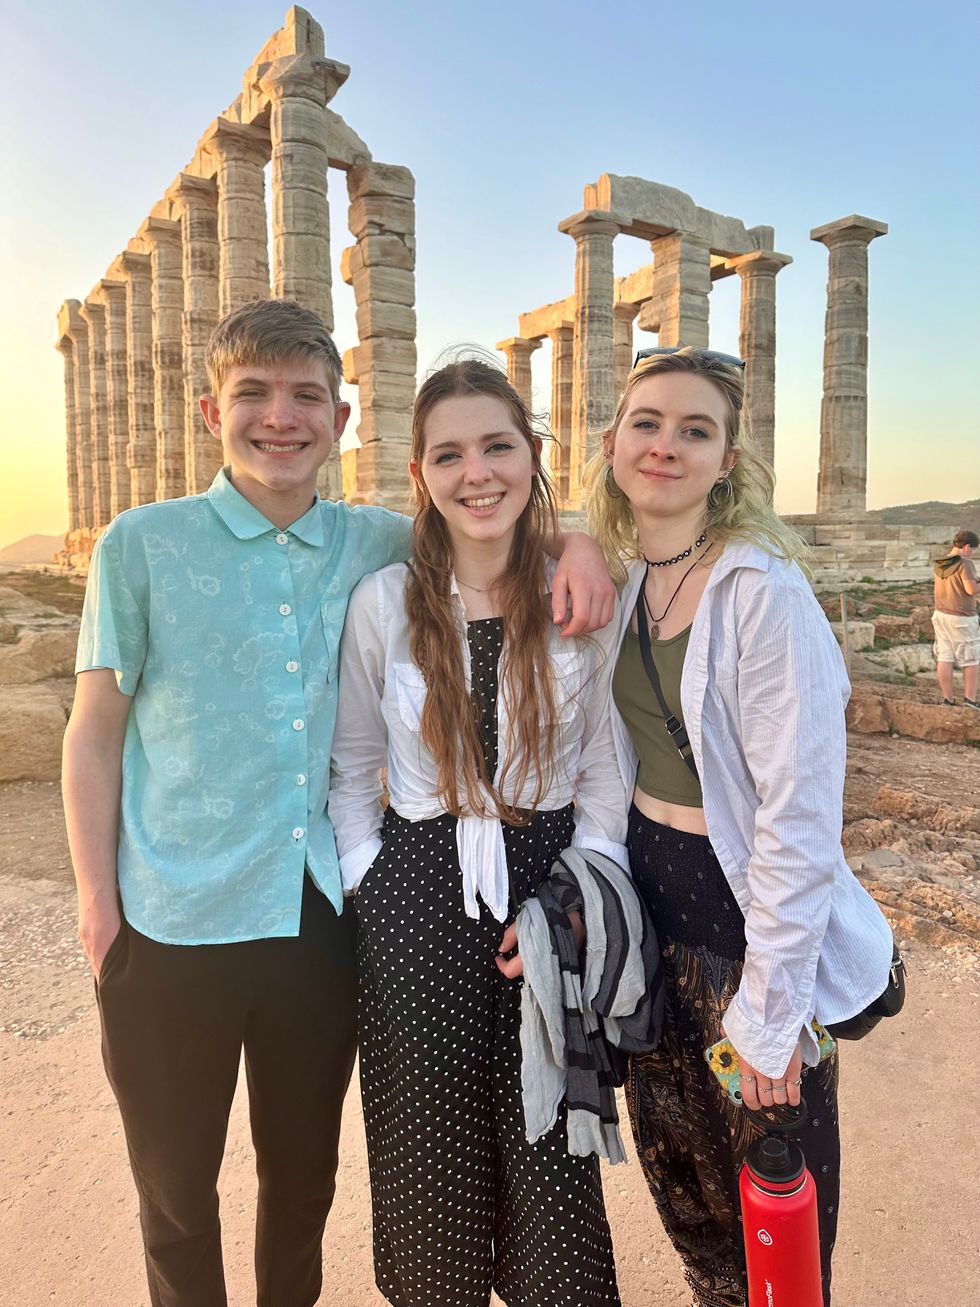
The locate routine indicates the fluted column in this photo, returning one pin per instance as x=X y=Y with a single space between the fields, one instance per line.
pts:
x=141 y=459
x=562 y=384
x=197 y=201
x=381 y=269
x=162 y=237
x=757 y=343
x=593 y=397
x=93 y=312
x=78 y=335
x=64 y=348
x=623 y=315
x=299 y=89
x=681 y=285
x=518 y=353
x=117 y=395
x=843 y=476
x=240 y=153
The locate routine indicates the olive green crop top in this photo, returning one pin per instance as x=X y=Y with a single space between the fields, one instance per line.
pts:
x=663 y=773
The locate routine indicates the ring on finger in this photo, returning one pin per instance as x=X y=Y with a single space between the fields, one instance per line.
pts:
x=749 y=1078
x=765 y=1089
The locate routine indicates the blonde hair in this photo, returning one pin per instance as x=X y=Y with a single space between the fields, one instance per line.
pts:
x=746 y=513
x=270 y=331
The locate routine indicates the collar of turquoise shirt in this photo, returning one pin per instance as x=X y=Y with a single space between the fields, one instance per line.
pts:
x=246 y=522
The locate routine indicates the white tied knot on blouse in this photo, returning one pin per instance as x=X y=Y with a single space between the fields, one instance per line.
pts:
x=382 y=694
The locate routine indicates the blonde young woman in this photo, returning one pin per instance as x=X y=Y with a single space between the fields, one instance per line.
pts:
x=734 y=837
x=454 y=677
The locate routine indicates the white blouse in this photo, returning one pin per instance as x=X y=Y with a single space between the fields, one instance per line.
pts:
x=381 y=696
x=763 y=692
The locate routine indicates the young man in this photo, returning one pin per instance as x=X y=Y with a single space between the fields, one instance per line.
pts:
x=956 y=621
x=195 y=783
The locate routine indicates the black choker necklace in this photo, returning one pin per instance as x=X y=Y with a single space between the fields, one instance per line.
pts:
x=678 y=558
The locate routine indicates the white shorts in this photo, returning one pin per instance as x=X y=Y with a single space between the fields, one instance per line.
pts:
x=957 y=639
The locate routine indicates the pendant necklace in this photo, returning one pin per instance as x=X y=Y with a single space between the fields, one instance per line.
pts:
x=655 y=621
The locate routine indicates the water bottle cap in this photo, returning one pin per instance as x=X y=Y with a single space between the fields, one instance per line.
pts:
x=776 y=1160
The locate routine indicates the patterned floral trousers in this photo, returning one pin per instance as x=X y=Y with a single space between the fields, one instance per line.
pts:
x=690 y=1139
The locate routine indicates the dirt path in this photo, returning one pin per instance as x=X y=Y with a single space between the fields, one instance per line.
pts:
x=68 y=1221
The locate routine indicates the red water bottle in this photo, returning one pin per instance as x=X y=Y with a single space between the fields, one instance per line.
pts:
x=779 y=1220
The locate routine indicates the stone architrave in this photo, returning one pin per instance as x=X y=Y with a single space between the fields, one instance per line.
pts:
x=518 y=353
x=240 y=152
x=843 y=475
x=117 y=395
x=562 y=385
x=299 y=89
x=381 y=269
x=593 y=397
x=624 y=314
x=67 y=353
x=134 y=268
x=681 y=285
x=162 y=237
x=757 y=343
x=93 y=311
x=197 y=201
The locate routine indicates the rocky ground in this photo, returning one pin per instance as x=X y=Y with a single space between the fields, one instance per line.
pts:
x=909 y=1232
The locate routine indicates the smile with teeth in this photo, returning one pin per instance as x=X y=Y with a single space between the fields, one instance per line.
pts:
x=268 y=447
x=486 y=501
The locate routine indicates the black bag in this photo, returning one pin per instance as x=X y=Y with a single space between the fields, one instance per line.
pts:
x=887 y=1004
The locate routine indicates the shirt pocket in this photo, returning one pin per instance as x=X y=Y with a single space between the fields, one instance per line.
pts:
x=568 y=673
x=409 y=693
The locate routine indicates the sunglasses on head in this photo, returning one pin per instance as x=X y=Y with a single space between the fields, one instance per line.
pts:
x=712 y=354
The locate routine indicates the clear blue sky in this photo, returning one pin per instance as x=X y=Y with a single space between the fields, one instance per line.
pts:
x=788 y=115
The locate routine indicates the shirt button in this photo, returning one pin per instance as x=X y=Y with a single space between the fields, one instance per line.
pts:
x=301 y=779
x=298 y=724
x=292 y=666
x=285 y=609
x=298 y=832
x=282 y=538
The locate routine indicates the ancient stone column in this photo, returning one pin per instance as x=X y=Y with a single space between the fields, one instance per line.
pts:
x=593 y=397
x=141 y=454
x=681 y=285
x=78 y=335
x=757 y=343
x=623 y=316
x=117 y=395
x=162 y=237
x=93 y=312
x=381 y=269
x=197 y=202
x=518 y=352
x=299 y=89
x=562 y=361
x=843 y=475
x=66 y=351
x=240 y=153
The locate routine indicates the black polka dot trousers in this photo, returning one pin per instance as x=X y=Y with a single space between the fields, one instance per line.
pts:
x=690 y=1138
x=461 y=1202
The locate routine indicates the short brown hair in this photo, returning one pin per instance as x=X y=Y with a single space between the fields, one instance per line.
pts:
x=270 y=331
x=966 y=538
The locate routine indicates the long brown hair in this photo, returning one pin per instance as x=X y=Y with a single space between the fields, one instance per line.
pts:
x=450 y=717
x=744 y=513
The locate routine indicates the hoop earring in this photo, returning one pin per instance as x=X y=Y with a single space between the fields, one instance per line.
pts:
x=714 y=499
x=612 y=489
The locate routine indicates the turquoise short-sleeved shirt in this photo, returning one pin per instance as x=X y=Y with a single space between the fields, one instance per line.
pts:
x=225 y=632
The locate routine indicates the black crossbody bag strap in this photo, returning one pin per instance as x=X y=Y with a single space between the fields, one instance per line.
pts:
x=675 y=729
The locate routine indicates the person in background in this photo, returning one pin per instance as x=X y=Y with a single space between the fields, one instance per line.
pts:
x=499 y=754
x=956 y=620
x=729 y=693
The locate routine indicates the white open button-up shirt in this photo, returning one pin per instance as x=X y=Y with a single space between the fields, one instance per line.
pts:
x=379 y=713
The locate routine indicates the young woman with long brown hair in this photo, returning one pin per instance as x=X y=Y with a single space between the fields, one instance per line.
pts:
x=734 y=837
x=454 y=677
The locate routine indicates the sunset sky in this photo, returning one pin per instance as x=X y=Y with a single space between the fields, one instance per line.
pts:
x=790 y=116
